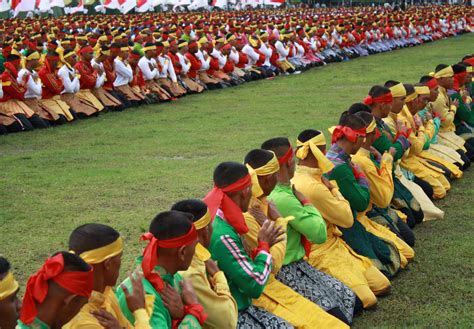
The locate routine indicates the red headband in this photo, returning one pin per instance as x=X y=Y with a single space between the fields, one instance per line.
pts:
x=150 y=254
x=287 y=157
x=384 y=99
x=459 y=80
x=218 y=198
x=192 y=44
x=86 y=50
x=349 y=133
x=77 y=283
x=134 y=56
x=433 y=83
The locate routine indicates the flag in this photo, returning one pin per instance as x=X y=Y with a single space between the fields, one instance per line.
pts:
x=126 y=5
x=19 y=6
x=196 y=4
x=219 y=3
x=4 y=6
x=43 y=5
x=111 y=4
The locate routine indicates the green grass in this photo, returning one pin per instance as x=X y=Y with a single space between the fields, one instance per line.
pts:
x=123 y=168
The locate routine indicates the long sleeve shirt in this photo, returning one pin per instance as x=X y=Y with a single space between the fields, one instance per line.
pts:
x=102 y=77
x=380 y=177
x=384 y=143
x=222 y=59
x=149 y=68
x=106 y=301
x=123 y=72
x=156 y=310
x=213 y=293
x=71 y=82
x=354 y=189
x=247 y=278
x=185 y=64
x=252 y=55
x=443 y=106
x=335 y=210
x=308 y=222
x=282 y=51
x=33 y=85
x=88 y=79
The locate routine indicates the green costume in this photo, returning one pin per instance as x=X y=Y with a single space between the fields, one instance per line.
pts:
x=160 y=316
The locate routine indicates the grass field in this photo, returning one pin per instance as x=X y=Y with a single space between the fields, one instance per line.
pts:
x=123 y=168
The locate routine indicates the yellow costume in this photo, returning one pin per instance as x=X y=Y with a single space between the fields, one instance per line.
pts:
x=212 y=292
x=108 y=302
x=278 y=298
x=334 y=256
x=381 y=187
x=419 y=167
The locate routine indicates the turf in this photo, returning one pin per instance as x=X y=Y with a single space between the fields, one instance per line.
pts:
x=124 y=168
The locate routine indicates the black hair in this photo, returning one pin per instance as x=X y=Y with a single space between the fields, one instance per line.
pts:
x=391 y=83
x=195 y=207
x=424 y=79
x=149 y=44
x=73 y=263
x=279 y=145
x=67 y=51
x=307 y=134
x=229 y=172
x=11 y=58
x=29 y=52
x=457 y=68
x=365 y=116
x=358 y=107
x=467 y=57
x=104 y=48
x=91 y=236
x=4 y=265
x=170 y=224
x=258 y=157
x=377 y=91
x=115 y=45
x=351 y=120
x=409 y=88
x=441 y=67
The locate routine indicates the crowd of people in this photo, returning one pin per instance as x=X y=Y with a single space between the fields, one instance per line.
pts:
x=294 y=237
x=58 y=70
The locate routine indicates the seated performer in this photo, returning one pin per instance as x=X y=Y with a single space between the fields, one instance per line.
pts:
x=320 y=288
x=82 y=107
x=101 y=247
x=247 y=277
x=209 y=282
x=56 y=293
x=347 y=139
x=172 y=302
x=9 y=302
x=334 y=256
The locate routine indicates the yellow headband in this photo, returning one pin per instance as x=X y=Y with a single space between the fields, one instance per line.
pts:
x=183 y=44
x=81 y=38
x=398 y=90
x=371 y=127
x=411 y=97
x=203 y=221
x=202 y=253
x=469 y=69
x=8 y=286
x=68 y=55
x=302 y=150
x=33 y=56
x=203 y=40
x=145 y=49
x=447 y=72
x=98 y=255
x=166 y=44
x=422 y=90
x=124 y=49
x=269 y=168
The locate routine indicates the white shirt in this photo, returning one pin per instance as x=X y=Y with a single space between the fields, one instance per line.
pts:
x=1 y=91
x=71 y=86
x=252 y=55
x=205 y=63
x=146 y=66
x=267 y=51
x=167 y=68
x=34 y=87
x=220 y=58
x=234 y=56
x=184 y=62
x=124 y=73
x=282 y=51
x=100 y=78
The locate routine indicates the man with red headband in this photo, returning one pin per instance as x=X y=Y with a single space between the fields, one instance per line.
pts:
x=294 y=286
x=347 y=138
x=52 y=88
x=9 y=303
x=247 y=271
x=464 y=118
x=56 y=293
x=172 y=241
x=88 y=77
